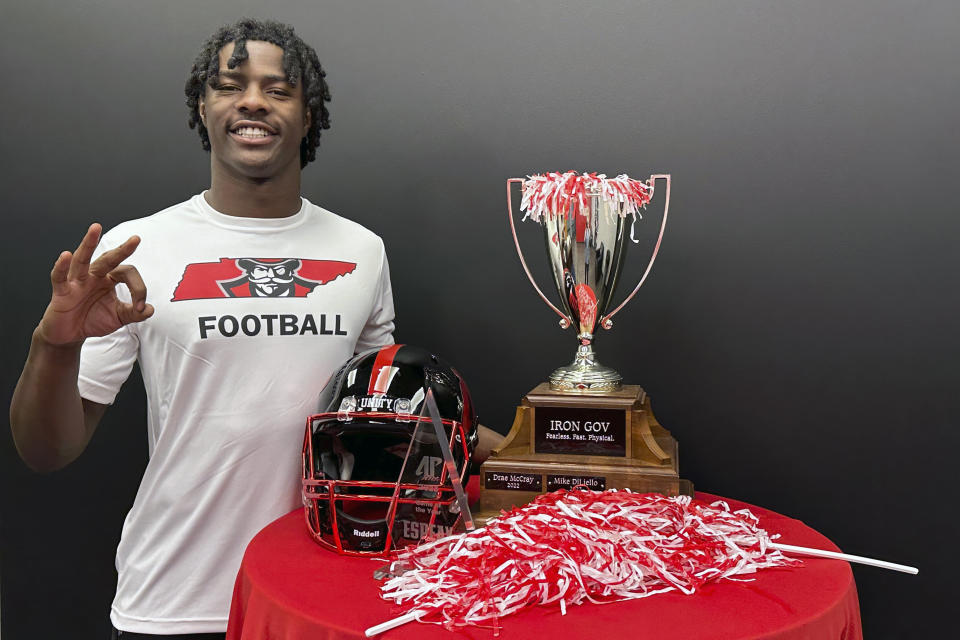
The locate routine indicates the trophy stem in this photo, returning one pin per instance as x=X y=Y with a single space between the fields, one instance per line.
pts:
x=585 y=373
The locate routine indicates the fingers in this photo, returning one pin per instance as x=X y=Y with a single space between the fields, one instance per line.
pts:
x=137 y=310
x=58 y=276
x=81 y=257
x=111 y=259
x=128 y=275
x=128 y=313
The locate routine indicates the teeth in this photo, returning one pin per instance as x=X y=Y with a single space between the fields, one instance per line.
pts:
x=252 y=132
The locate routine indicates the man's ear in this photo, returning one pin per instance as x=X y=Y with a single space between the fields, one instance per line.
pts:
x=202 y=111
x=306 y=121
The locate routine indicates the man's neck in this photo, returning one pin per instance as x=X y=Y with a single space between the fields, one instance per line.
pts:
x=277 y=197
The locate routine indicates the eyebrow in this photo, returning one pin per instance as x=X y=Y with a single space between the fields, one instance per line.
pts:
x=237 y=75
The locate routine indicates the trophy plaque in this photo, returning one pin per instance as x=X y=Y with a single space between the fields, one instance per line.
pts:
x=583 y=427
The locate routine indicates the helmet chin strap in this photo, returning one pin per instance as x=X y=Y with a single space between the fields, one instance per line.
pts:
x=357 y=529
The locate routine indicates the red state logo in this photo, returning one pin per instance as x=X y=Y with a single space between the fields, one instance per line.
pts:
x=257 y=278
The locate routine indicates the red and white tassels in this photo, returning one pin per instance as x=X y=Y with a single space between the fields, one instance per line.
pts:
x=550 y=194
x=570 y=547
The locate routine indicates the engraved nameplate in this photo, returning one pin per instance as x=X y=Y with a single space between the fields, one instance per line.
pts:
x=596 y=483
x=585 y=432
x=513 y=481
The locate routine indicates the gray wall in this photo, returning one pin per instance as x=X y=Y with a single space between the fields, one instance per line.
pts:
x=797 y=334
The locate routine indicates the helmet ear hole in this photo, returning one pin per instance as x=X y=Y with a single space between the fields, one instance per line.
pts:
x=373 y=474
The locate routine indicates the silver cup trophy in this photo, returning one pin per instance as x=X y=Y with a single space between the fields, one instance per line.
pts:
x=585 y=220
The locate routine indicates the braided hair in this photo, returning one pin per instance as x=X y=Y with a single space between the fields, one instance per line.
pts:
x=299 y=63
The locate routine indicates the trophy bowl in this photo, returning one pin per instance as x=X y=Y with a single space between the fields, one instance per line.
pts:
x=584 y=219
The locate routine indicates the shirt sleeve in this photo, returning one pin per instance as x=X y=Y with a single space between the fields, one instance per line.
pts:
x=378 y=330
x=106 y=362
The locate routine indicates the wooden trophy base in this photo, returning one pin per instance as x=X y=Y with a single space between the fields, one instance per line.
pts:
x=560 y=440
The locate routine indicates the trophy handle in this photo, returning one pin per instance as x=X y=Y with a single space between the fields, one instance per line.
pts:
x=606 y=322
x=566 y=320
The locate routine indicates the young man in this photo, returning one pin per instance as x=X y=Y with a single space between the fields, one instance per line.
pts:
x=239 y=303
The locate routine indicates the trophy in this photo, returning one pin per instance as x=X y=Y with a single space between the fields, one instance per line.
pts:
x=583 y=427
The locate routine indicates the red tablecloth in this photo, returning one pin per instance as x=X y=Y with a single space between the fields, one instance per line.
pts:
x=289 y=588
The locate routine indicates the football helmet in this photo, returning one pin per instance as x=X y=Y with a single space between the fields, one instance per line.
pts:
x=373 y=480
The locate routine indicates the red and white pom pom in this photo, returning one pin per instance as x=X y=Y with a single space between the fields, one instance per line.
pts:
x=552 y=194
x=568 y=547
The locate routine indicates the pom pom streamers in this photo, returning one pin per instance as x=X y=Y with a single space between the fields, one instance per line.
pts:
x=555 y=194
x=568 y=547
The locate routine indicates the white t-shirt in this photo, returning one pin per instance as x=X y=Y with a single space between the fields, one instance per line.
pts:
x=252 y=317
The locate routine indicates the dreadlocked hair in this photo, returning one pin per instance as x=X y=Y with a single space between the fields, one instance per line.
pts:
x=300 y=63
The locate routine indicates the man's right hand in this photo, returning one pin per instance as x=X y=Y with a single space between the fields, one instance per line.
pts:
x=50 y=422
x=84 y=303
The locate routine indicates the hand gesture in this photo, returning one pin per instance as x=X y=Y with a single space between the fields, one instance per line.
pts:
x=84 y=303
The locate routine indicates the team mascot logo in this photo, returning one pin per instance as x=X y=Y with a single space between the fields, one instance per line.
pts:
x=257 y=278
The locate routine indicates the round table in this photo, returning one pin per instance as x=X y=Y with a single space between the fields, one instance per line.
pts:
x=290 y=588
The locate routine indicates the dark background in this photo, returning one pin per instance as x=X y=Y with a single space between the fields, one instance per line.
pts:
x=798 y=334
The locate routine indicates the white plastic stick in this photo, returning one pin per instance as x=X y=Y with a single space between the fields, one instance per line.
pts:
x=390 y=624
x=820 y=553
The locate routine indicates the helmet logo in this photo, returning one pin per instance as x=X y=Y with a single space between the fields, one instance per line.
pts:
x=429 y=468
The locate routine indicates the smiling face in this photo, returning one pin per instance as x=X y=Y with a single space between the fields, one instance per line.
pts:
x=254 y=117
